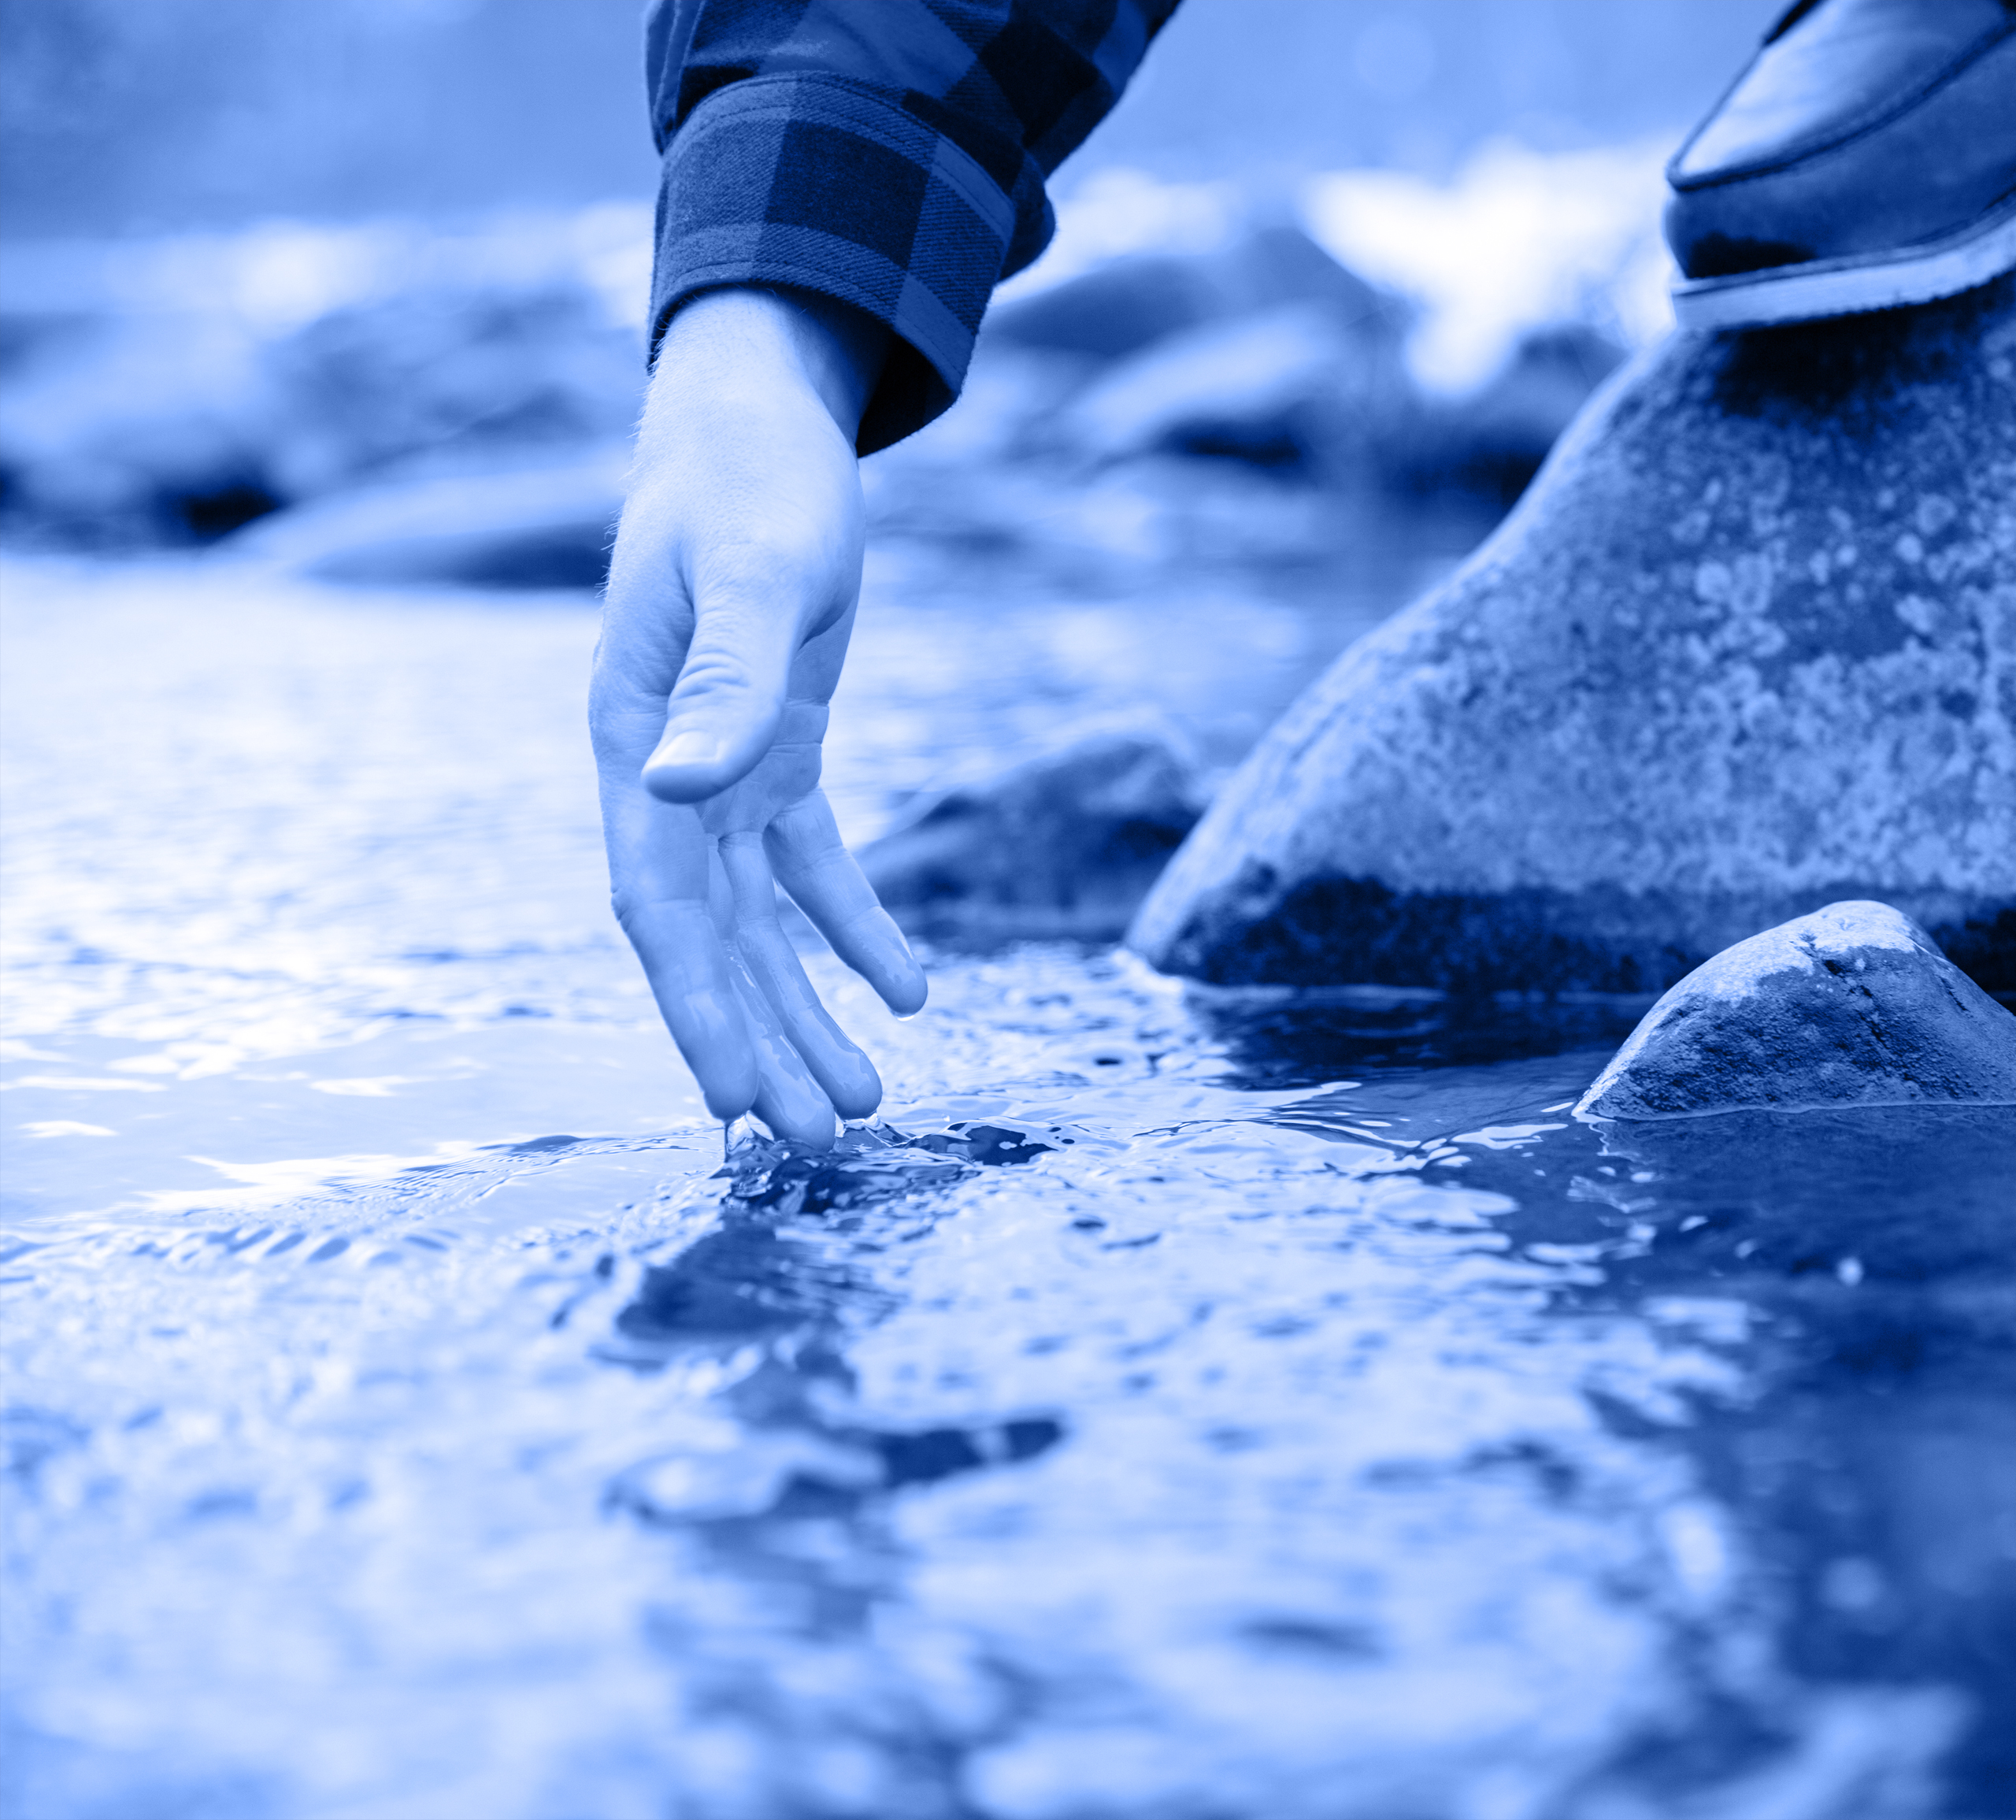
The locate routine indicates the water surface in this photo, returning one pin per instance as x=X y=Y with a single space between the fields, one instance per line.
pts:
x=1174 y=1405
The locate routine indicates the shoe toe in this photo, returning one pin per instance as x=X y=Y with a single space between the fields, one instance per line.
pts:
x=1870 y=126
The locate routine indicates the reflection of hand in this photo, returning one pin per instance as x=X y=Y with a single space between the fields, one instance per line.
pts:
x=731 y=597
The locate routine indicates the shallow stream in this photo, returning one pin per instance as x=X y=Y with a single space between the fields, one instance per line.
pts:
x=1178 y=1407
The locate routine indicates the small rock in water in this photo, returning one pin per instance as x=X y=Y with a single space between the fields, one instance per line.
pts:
x=1851 y=1006
x=1063 y=845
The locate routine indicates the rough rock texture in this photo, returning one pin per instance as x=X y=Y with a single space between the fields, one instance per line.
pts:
x=1851 y=1006
x=1747 y=646
x=1066 y=844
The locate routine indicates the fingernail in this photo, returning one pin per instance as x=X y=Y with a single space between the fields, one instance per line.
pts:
x=688 y=748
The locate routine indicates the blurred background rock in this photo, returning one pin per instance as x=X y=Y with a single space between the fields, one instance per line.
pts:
x=372 y=273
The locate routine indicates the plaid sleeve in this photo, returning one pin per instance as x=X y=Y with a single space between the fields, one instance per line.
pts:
x=891 y=154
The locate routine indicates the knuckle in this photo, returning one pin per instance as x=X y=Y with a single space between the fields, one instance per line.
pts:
x=716 y=669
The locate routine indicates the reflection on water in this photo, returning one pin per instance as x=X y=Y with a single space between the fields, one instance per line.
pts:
x=1175 y=1406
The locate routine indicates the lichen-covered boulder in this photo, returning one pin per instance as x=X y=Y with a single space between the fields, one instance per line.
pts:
x=1851 y=1006
x=1065 y=843
x=1747 y=645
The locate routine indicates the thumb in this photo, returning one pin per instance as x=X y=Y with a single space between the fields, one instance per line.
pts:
x=724 y=710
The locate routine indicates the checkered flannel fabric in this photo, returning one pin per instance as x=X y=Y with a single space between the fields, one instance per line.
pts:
x=891 y=154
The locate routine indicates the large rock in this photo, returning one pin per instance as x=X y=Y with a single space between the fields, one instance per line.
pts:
x=1064 y=844
x=1851 y=1006
x=1747 y=646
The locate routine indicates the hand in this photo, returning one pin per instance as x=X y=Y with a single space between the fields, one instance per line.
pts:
x=731 y=595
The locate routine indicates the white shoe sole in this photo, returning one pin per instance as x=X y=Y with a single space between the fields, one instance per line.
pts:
x=1856 y=284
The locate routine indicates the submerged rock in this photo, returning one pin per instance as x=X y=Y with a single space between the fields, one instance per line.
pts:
x=1851 y=1006
x=1063 y=845
x=1746 y=646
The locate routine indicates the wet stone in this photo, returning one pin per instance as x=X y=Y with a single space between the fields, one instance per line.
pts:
x=1742 y=649
x=1066 y=844
x=1851 y=1006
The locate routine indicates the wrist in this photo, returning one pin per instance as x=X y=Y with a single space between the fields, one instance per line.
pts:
x=740 y=336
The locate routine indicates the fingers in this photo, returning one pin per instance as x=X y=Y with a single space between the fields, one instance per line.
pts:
x=676 y=900
x=787 y=1099
x=698 y=996
x=814 y=865
x=732 y=1039
x=846 y=1075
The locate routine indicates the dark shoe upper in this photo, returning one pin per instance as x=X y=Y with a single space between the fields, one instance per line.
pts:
x=1860 y=126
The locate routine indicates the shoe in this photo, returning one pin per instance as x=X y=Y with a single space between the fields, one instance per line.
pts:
x=1864 y=160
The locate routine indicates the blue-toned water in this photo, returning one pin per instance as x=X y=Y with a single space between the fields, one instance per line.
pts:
x=1177 y=1407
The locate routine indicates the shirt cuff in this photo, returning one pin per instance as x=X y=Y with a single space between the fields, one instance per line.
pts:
x=822 y=184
